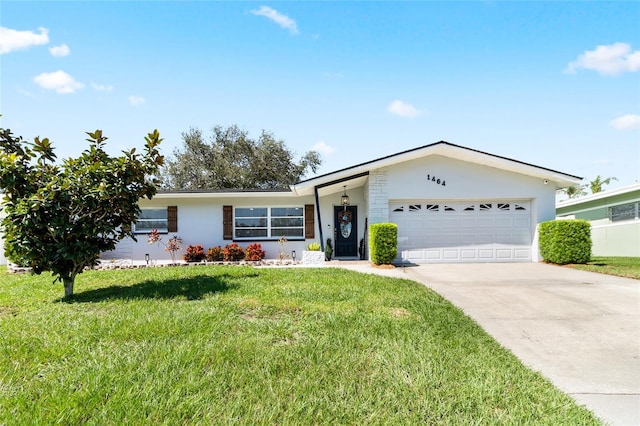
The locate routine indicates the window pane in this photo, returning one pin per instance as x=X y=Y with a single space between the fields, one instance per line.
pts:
x=280 y=222
x=151 y=219
x=287 y=232
x=251 y=233
x=274 y=222
x=286 y=211
x=153 y=214
x=250 y=212
x=251 y=223
x=625 y=212
x=151 y=224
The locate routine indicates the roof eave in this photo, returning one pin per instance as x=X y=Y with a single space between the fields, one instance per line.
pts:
x=561 y=180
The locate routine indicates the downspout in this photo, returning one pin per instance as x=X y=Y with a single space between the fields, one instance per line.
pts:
x=315 y=190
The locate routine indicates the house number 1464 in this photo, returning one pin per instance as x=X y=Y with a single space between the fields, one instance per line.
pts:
x=436 y=180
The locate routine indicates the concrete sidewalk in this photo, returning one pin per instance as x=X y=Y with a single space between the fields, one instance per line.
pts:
x=581 y=330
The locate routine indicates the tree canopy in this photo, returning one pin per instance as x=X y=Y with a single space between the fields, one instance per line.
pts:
x=230 y=159
x=596 y=185
x=59 y=218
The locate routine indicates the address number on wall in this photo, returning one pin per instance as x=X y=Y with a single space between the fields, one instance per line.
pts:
x=436 y=180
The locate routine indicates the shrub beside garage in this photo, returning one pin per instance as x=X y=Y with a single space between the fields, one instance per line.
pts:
x=565 y=241
x=383 y=240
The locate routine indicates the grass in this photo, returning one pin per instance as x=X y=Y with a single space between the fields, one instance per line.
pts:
x=628 y=267
x=220 y=345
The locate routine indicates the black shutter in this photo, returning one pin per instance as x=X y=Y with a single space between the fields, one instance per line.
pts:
x=227 y=222
x=172 y=219
x=309 y=224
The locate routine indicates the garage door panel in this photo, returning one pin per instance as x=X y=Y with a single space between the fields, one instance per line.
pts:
x=451 y=254
x=468 y=254
x=504 y=254
x=464 y=231
x=504 y=238
x=504 y=222
x=485 y=254
x=485 y=223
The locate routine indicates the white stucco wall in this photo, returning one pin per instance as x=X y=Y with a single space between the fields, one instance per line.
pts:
x=616 y=239
x=463 y=181
x=200 y=222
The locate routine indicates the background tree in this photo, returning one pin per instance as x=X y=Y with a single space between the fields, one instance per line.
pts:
x=59 y=218
x=575 y=191
x=232 y=160
x=597 y=185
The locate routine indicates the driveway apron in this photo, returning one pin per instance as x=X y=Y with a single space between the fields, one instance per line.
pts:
x=579 y=329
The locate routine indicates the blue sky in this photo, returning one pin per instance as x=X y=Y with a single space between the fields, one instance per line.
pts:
x=556 y=84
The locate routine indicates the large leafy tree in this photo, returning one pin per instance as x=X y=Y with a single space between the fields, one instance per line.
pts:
x=60 y=217
x=230 y=159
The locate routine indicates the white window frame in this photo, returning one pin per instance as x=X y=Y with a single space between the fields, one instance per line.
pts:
x=272 y=233
x=162 y=220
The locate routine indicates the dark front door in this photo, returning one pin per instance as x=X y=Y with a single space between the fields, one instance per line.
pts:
x=346 y=226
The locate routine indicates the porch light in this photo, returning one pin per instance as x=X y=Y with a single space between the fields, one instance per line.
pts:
x=146 y=258
x=344 y=200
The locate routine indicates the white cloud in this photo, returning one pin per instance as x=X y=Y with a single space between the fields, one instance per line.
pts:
x=59 y=81
x=60 y=51
x=136 y=100
x=629 y=121
x=101 y=87
x=611 y=59
x=283 y=20
x=323 y=148
x=11 y=40
x=404 y=109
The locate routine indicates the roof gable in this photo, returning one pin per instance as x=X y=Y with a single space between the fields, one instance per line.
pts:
x=445 y=149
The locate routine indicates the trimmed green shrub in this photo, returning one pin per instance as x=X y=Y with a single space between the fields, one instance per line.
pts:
x=383 y=240
x=328 y=250
x=215 y=254
x=565 y=241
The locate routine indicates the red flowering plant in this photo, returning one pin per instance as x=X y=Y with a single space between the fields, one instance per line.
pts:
x=215 y=254
x=233 y=253
x=254 y=252
x=172 y=245
x=194 y=254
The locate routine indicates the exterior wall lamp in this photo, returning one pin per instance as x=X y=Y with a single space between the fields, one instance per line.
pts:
x=344 y=200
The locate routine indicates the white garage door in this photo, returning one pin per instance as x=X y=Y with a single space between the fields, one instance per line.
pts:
x=473 y=231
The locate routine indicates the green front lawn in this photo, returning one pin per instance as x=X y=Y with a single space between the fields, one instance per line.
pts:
x=620 y=266
x=220 y=345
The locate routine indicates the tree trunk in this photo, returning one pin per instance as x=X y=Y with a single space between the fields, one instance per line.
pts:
x=68 y=286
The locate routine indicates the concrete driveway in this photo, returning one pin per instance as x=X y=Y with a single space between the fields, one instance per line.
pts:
x=581 y=330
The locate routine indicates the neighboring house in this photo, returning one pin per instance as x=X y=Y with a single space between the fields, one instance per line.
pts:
x=451 y=204
x=614 y=217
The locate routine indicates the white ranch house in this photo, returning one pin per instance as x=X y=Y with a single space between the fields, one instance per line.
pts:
x=451 y=204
